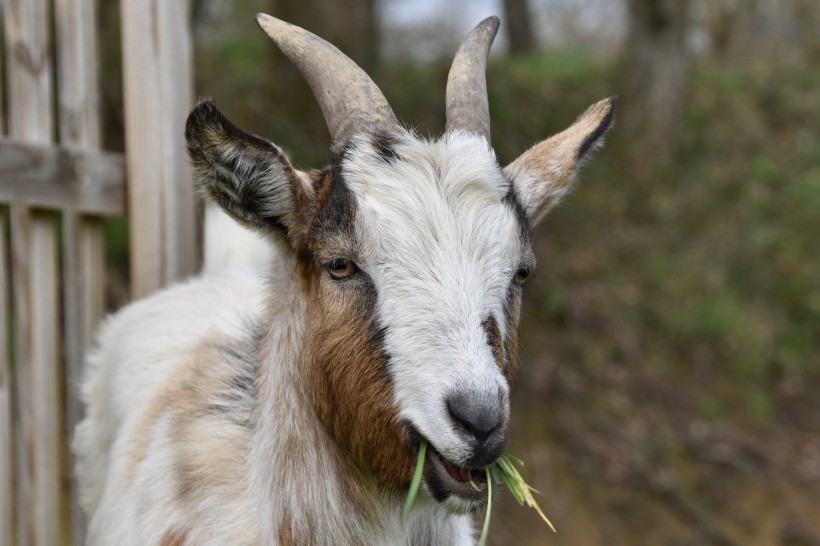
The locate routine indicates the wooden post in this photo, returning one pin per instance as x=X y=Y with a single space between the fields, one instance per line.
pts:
x=158 y=91
x=83 y=250
x=39 y=442
x=6 y=430
x=6 y=385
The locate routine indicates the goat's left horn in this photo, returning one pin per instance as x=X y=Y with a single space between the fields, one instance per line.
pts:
x=467 y=106
x=350 y=101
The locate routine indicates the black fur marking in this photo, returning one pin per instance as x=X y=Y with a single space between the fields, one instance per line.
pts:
x=494 y=340
x=599 y=131
x=336 y=214
x=207 y=114
x=237 y=397
x=379 y=333
x=377 y=336
x=511 y=199
x=385 y=147
x=245 y=384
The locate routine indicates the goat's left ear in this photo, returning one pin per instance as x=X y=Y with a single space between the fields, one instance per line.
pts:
x=248 y=176
x=542 y=175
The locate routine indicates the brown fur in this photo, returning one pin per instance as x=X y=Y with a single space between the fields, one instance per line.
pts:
x=513 y=313
x=490 y=326
x=288 y=536
x=349 y=384
x=200 y=398
x=174 y=537
x=352 y=391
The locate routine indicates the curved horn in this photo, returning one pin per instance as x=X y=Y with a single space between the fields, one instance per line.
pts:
x=467 y=106
x=349 y=99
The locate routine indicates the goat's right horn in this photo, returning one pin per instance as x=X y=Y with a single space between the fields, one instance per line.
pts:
x=467 y=106
x=350 y=101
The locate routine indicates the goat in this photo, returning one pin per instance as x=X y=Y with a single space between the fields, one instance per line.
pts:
x=343 y=316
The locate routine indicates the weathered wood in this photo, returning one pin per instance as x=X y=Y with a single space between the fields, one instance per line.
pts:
x=39 y=445
x=2 y=66
x=158 y=91
x=6 y=382
x=51 y=499
x=83 y=242
x=6 y=431
x=51 y=177
x=28 y=62
x=78 y=96
x=83 y=306
x=20 y=228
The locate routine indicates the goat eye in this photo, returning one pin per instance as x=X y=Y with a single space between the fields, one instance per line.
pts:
x=521 y=275
x=341 y=268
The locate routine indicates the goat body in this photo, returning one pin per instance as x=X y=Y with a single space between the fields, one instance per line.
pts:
x=191 y=439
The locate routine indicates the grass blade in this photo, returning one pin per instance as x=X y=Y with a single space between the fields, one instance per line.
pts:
x=517 y=486
x=414 y=485
x=485 y=530
x=503 y=471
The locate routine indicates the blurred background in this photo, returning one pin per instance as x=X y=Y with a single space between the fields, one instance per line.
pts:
x=670 y=375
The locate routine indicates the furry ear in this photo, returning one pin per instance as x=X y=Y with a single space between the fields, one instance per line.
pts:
x=542 y=175
x=248 y=176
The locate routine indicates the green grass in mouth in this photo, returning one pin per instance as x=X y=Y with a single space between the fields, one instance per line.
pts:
x=503 y=471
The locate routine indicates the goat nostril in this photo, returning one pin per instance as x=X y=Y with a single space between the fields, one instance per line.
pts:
x=478 y=420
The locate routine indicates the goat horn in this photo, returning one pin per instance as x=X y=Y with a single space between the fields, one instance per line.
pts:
x=467 y=106
x=350 y=101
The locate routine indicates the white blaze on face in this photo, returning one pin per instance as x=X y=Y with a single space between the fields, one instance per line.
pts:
x=441 y=247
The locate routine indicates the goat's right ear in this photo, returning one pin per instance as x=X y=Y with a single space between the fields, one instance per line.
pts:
x=542 y=175
x=248 y=176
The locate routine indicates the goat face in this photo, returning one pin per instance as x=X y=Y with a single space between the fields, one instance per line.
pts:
x=444 y=245
x=410 y=254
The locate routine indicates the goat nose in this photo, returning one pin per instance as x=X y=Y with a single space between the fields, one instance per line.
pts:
x=477 y=416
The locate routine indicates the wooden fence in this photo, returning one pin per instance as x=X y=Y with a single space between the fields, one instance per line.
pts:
x=56 y=186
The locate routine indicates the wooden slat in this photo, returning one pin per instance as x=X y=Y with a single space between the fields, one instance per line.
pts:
x=83 y=241
x=39 y=445
x=158 y=92
x=84 y=302
x=6 y=431
x=20 y=227
x=29 y=70
x=78 y=96
x=6 y=383
x=2 y=65
x=51 y=177
x=51 y=498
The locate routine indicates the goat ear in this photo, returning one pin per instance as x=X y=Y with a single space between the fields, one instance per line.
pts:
x=248 y=176
x=542 y=175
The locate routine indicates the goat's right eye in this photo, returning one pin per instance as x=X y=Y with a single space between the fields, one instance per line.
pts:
x=341 y=268
x=522 y=274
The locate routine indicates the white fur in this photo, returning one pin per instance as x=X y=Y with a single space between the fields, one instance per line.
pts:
x=139 y=349
x=232 y=247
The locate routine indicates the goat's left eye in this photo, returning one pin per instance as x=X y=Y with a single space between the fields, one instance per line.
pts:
x=521 y=275
x=341 y=268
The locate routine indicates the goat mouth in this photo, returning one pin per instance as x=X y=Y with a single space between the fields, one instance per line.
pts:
x=460 y=489
x=446 y=479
